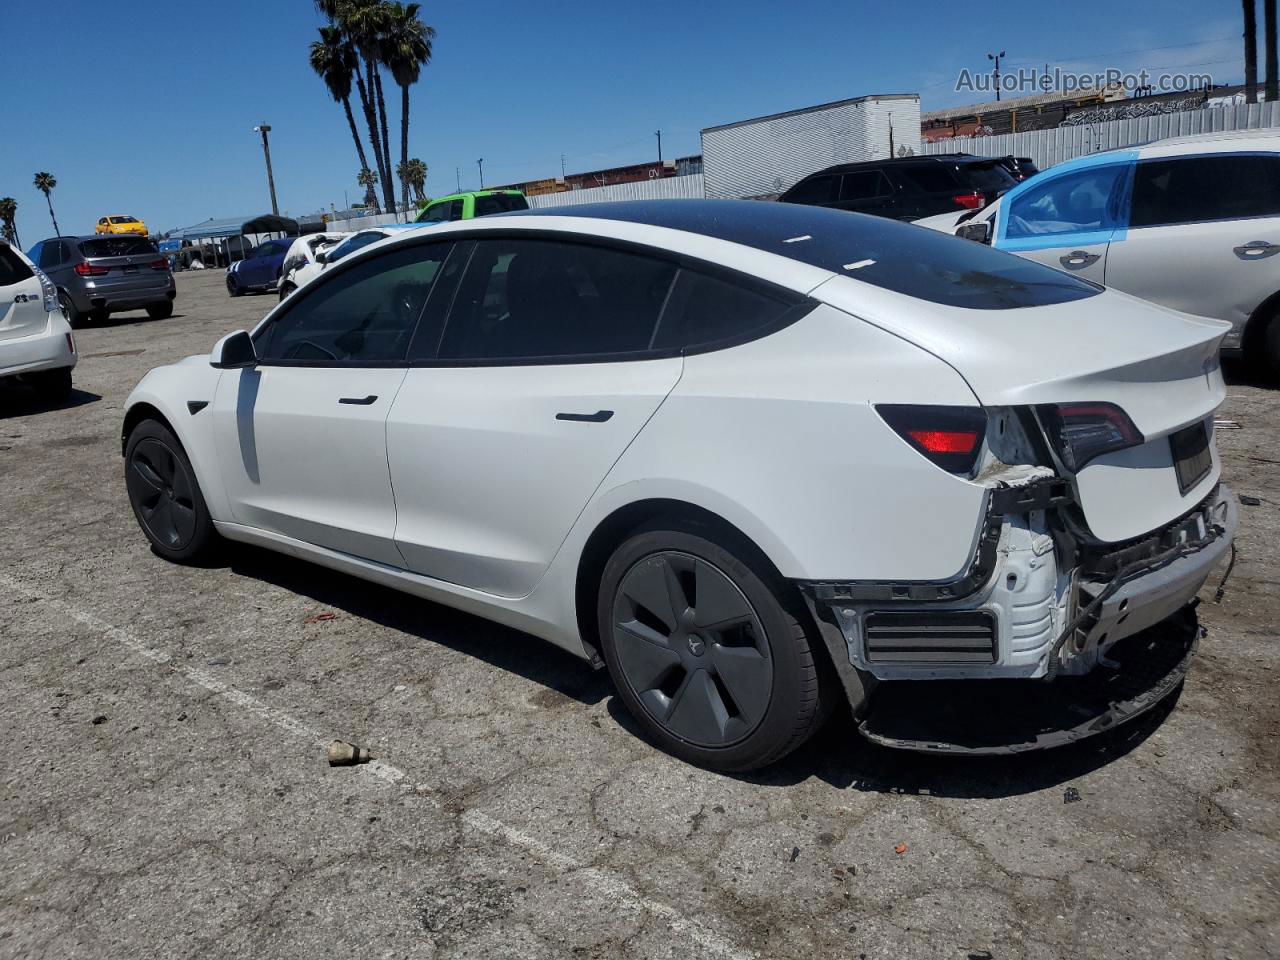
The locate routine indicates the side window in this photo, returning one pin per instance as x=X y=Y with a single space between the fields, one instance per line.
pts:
x=354 y=244
x=926 y=177
x=704 y=309
x=50 y=255
x=814 y=190
x=36 y=253
x=525 y=299
x=1196 y=189
x=864 y=185
x=1073 y=203
x=455 y=210
x=361 y=316
x=102 y=222
x=435 y=213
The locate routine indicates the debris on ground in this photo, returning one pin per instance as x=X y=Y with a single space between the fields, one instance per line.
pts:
x=795 y=852
x=343 y=754
x=320 y=617
x=1071 y=795
x=900 y=849
x=1249 y=501
x=1226 y=425
x=99 y=719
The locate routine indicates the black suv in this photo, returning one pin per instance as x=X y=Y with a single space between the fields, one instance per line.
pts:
x=906 y=188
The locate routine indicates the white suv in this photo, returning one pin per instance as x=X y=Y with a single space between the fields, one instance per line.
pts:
x=36 y=343
x=754 y=457
x=1192 y=223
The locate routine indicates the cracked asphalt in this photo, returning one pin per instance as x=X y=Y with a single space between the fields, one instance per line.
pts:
x=164 y=792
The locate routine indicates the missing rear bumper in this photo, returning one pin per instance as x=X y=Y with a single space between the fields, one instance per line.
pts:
x=1015 y=716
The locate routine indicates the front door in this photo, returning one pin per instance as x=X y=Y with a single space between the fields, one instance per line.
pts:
x=1203 y=237
x=542 y=377
x=302 y=436
x=1066 y=220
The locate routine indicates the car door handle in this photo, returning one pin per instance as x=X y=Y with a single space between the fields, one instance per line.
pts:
x=1256 y=250
x=360 y=401
x=1078 y=258
x=600 y=416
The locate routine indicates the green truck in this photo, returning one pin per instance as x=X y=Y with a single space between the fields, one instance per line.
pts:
x=474 y=203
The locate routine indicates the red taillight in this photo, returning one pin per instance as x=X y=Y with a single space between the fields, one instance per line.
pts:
x=949 y=437
x=970 y=201
x=1080 y=432
x=89 y=270
x=161 y=264
x=945 y=441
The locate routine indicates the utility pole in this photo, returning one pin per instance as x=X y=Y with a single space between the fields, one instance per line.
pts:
x=562 y=166
x=264 y=128
x=658 y=134
x=457 y=172
x=480 y=164
x=996 y=72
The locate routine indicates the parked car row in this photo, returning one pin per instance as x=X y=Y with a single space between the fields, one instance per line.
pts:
x=36 y=342
x=96 y=276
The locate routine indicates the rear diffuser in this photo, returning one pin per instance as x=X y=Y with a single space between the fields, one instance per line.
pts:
x=1012 y=716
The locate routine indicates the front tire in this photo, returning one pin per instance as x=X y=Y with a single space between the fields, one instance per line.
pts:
x=708 y=651
x=286 y=289
x=165 y=495
x=160 y=311
x=233 y=288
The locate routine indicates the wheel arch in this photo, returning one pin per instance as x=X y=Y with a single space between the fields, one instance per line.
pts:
x=136 y=414
x=1256 y=326
x=616 y=527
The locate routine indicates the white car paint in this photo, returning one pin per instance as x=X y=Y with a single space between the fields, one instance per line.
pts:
x=34 y=333
x=460 y=483
x=301 y=263
x=1193 y=267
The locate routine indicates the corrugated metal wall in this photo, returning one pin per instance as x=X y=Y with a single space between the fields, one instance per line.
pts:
x=360 y=223
x=1047 y=147
x=764 y=157
x=664 y=189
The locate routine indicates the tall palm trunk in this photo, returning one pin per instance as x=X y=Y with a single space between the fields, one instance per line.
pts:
x=370 y=119
x=388 y=181
x=1250 y=51
x=1273 y=71
x=355 y=133
x=404 y=143
x=49 y=201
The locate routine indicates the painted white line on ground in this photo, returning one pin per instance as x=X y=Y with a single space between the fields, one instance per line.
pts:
x=481 y=822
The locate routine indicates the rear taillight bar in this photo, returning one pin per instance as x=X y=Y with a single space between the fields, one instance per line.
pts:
x=949 y=437
x=970 y=201
x=86 y=269
x=161 y=264
x=1081 y=432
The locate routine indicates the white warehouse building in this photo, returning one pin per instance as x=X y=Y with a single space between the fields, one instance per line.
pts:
x=765 y=156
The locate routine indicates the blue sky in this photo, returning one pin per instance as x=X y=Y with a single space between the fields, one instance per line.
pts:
x=147 y=108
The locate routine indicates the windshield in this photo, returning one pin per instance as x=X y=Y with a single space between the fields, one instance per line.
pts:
x=117 y=247
x=352 y=244
x=500 y=203
x=123 y=220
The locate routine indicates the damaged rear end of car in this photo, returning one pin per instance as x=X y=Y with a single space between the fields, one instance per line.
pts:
x=1103 y=516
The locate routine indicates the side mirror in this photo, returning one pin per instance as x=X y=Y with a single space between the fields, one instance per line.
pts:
x=322 y=256
x=979 y=232
x=233 y=351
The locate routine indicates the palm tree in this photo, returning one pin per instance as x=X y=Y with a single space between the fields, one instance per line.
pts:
x=1250 y=51
x=365 y=21
x=8 y=214
x=352 y=18
x=1272 y=85
x=369 y=179
x=45 y=182
x=406 y=49
x=413 y=173
x=334 y=61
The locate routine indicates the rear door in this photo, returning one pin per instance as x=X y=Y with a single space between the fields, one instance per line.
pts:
x=1067 y=219
x=542 y=377
x=22 y=310
x=302 y=436
x=1203 y=234
x=868 y=191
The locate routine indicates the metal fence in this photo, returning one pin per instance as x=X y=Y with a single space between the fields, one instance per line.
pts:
x=362 y=223
x=1047 y=147
x=665 y=188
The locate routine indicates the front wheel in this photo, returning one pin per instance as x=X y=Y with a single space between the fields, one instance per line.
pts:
x=165 y=495
x=286 y=289
x=707 y=651
x=233 y=288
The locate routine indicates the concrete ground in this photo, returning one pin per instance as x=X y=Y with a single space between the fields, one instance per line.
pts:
x=164 y=792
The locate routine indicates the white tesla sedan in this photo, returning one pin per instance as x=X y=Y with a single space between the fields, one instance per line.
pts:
x=755 y=458
x=36 y=343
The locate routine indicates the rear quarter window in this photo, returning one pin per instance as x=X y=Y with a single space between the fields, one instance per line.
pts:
x=12 y=268
x=705 y=310
x=499 y=203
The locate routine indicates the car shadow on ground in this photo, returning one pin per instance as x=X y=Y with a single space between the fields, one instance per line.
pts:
x=511 y=650
x=128 y=319
x=18 y=400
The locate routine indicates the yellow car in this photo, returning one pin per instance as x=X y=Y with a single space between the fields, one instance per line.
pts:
x=121 y=225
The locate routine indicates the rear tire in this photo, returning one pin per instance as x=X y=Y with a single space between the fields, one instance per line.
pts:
x=709 y=652
x=165 y=495
x=52 y=386
x=160 y=311
x=1269 y=362
x=69 y=310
